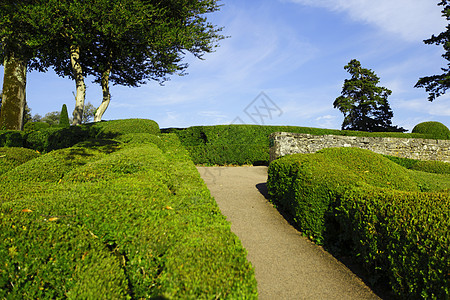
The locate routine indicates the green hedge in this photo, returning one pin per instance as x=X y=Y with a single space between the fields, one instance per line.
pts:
x=436 y=130
x=401 y=235
x=12 y=157
x=124 y=218
x=53 y=138
x=248 y=144
x=312 y=187
x=430 y=166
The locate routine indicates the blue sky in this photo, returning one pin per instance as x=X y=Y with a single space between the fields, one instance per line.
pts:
x=283 y=64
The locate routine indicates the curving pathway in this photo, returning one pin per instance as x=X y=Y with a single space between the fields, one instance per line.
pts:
x=287 y=265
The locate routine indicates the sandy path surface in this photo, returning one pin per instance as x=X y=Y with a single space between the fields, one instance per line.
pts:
x=287 y=265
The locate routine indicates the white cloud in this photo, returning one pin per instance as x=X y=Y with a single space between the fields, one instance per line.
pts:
x=413 y=20
x=439 y=107
x=327 y=121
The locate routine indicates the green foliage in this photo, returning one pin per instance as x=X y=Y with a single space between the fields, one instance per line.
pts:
x=400 y=235
x=429 y=166
x=248 y=144
x=125 y=218
x=318 y=192
x=30 y=126
x=435 y=130
x=363 y=103
x=11 y=157
x=12 y=138
x=64 y=117
x=437 y=85
x=118 y=127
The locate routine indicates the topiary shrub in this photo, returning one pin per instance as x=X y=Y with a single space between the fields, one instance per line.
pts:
x=64 y=117
x=435 y=130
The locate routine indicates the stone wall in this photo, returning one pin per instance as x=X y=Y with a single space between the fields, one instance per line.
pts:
x=284 y=143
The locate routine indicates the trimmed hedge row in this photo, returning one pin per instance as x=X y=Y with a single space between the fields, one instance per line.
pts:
x=318 y=191
x=249 y=144
x=401 y=235
x=124 y=218
x=438 y=167
x=48 y=139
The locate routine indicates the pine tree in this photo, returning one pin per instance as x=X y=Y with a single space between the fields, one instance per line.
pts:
x=363 y=103
x=437 y=85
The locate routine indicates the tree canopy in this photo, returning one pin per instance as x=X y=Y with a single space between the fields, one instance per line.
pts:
x=437 y=85
x=363 y=103
x=127 y=42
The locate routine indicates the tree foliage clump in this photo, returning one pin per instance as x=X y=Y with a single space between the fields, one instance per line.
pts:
x=127 y=42
x=363 y=103
x=437 y=85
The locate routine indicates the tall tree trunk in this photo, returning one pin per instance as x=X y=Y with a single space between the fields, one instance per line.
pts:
x=106 y=96
x=14 y=93
x=79 y=81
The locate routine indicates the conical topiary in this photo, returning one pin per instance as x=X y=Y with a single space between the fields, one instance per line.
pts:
x=64 y=117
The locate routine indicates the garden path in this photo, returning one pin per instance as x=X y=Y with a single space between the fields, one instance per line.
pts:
x=287 y=265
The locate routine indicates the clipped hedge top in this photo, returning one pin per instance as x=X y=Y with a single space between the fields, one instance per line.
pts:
x=434 y=129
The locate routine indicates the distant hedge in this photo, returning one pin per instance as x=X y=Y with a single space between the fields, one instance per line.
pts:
x=386 y=215
x=249 y=144
x=128 y=218
x=45 y=139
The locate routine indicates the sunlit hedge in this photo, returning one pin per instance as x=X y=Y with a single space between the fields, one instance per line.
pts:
x=328 y=193
x=118 y=218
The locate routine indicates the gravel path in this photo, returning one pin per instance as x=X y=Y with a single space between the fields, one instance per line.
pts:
x=287 y=265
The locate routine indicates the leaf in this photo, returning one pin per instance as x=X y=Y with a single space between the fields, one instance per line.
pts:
x=53 y=219
x=168 y=207
x=26 y=210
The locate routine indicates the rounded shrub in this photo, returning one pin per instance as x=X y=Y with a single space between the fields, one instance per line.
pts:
x=434 y=129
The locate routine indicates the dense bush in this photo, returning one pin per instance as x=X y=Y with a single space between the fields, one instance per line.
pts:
x=11 y=157
x=111 y=129
x=48 y=139
x=318 y=191
x=248 y=144
x=29 y=126
x=438 y=167
x=435 y=130
x=123 y=218
x=401 y=235
x=12 y=138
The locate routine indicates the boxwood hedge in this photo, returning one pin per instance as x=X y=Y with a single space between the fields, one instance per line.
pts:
x=248 y=144
x=327 y=196
x=123 y=218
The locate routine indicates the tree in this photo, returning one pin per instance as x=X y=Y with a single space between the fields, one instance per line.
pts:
x=125 y=41
x=18 y=48
x=88 y=113
x=437 y=85
x=363 y=103
x=51 y=118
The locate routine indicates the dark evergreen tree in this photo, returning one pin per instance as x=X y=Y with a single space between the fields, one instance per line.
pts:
x=363 y=103
x=64 y=117
x=437 y=85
